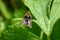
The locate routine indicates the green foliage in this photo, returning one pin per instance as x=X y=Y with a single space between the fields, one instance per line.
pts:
x=45 y=19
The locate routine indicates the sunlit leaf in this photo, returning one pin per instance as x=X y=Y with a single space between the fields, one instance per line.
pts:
x=55 y=13
x=40 y=12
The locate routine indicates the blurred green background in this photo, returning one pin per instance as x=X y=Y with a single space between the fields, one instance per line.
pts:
x=12 y=12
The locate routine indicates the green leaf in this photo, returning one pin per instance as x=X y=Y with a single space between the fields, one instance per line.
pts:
x=20 y=33
x=39 y=10
x=55 y=13
x=17 y=21
x=55 y=35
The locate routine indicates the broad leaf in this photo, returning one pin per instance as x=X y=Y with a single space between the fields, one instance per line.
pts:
x=55 y=13
x=20 y=33
x=55 y=35
x=39 y=10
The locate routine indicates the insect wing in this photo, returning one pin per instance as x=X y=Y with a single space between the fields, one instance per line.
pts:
x=30 y=23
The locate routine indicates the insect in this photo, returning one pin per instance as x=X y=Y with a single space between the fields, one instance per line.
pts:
x=27 y=20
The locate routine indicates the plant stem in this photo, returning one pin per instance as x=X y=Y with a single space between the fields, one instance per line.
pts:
x=48 y=37
x=41 y=35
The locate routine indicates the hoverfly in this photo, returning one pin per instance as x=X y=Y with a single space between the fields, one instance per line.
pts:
x=27 y=20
